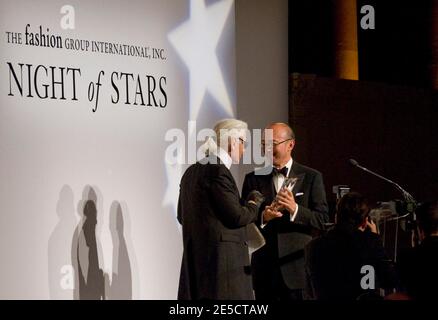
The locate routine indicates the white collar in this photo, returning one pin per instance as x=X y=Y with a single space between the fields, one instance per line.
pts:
x=288 y=165
x=225 y=157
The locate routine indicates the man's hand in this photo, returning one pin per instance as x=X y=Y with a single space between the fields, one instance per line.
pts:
x=269 y=213
x=286 y=200
x=255 y=197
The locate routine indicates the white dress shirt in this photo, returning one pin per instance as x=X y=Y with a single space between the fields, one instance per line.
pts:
x=224 y=157
x=278 y=180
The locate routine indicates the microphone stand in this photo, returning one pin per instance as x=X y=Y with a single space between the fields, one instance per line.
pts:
x=407 y=196
x=409 y=199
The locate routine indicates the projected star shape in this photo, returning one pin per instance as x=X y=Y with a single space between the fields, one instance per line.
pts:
x=195 y=41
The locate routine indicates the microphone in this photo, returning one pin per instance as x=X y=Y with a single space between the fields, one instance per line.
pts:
x=408 y=197
x=353 y=162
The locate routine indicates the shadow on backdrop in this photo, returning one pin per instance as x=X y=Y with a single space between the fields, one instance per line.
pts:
x=120 y=287
x=86 y=250
x=61 y=273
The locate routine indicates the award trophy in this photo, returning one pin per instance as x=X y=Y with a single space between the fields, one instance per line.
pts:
x=255 y=238
x=288 y=184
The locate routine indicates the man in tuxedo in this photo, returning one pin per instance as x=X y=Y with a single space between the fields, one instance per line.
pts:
x=278 y=267
x=215 y=262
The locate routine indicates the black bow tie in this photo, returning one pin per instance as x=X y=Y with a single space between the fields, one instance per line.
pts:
x=282 y=171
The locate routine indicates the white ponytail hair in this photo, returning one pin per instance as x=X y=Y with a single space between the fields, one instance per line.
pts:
x=224 y=129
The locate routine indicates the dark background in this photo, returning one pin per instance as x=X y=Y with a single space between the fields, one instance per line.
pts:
x=387 y=120
x=395 y=52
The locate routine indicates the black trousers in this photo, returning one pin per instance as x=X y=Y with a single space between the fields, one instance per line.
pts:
x=276 y=289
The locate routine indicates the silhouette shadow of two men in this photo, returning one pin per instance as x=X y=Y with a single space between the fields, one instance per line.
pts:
x=91 y=282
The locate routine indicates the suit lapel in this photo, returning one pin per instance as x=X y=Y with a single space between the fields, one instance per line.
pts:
x=270 y=188
x=296 y=172
x=266 y=187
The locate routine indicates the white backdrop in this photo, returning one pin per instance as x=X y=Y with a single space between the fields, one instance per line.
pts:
x=57 y=154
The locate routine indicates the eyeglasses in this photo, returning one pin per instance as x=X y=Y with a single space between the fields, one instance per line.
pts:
x=273 y=143
x=245 y=143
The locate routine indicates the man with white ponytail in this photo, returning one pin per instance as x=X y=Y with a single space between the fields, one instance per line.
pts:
x=215 y=262
x=231 y=136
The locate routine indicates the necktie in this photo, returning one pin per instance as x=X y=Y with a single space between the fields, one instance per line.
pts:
x=282 y=171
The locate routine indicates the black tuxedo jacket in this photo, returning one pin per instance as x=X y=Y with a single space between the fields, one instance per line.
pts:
x=285 y=240
x=215 y=262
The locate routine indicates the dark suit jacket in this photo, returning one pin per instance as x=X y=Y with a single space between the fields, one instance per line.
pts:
x=285 y=240
x=334 y=265
x=419 y=270
x=215 y=262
